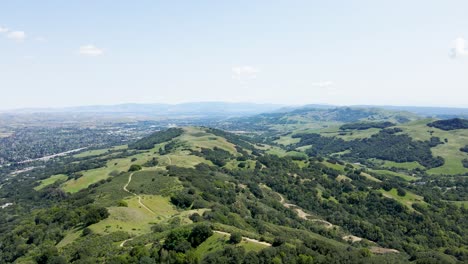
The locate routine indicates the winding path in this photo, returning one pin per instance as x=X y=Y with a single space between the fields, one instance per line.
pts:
x=125 y=241
x=303 y=214
x=139 y=197
x=245 y=238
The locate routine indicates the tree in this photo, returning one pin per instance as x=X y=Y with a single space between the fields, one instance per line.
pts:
x=401 y=192
x=199 y=234
x=134 y=167
x=278 y=242
x=87 y=231
x=235 y=238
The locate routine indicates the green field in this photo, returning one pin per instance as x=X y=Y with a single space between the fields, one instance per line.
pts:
x=153 y=182
x=51 y=180
x=98 y=152
x=198 y=138
x=450 y=151
x=92 y=176
x=409 y=199
x=218 y=242
x=287 y=140
x=135 y=219
x=400 y=165
x=393 y=174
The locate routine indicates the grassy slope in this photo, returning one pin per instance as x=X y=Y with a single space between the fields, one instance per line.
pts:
x=51 y=180
x=408 y=200
x=135 y=219
x=394 y=174
x=218 y=242
x=198 y=138
x=97 y=152
x=449 y=151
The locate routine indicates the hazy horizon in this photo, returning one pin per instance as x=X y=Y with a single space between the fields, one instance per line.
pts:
x=401 y=53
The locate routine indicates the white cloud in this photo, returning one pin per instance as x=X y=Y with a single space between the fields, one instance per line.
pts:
x=244 y=72
x=16 y=35
x=323 y=84
x=4 y=30
x=90 y=50
x=459 y=48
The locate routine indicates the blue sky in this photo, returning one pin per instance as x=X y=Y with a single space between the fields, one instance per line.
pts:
x=67 y=53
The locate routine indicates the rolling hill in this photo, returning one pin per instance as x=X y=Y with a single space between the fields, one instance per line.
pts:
x=197 y=194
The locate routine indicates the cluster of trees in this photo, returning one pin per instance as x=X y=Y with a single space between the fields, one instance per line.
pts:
x=366 y=212
x=156 y=138
x=366 y=125
x=385 y=145
x=216 y=155
x=44 y=228
x=450 y=124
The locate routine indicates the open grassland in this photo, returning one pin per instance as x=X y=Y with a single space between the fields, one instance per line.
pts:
x=198 y=138
x=450 y=150
x=287 y=140
x=180 y=157
x=387 y=173
x=370 y=177
x=461 y=203
x=98 y=152
x=153 y=182
x=401 y=165
x=92 y=176
x=218 y=242
x=349 y=135
x=70 y=236
x=273 y=150
x=336 y=166
x=135 y=219
x=51 y=180
x=408 y=200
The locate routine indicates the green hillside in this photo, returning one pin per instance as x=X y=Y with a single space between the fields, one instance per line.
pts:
x=202 y=195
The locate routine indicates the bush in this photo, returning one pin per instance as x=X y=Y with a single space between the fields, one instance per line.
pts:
x=86 y=231
x=235 y=238
x=199 y=234
x=122 y=203
x=134 y=167
x=401 y=192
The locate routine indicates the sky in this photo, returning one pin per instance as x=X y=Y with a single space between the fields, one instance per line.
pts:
x=71 y=53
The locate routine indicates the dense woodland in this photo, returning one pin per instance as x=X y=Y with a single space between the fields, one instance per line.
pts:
x=450 y=124
x=366 y=125
x=385 y=145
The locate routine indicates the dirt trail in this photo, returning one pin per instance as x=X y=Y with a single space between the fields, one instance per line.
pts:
x=380 y=250
x=139 y=197
x=303 y=214
x=125 y=241
x=245 y=238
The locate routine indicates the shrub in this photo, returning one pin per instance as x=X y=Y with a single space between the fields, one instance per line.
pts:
x=235 y=238
x=134 y=167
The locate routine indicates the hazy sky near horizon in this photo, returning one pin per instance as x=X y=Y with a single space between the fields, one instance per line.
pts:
x=68 y=53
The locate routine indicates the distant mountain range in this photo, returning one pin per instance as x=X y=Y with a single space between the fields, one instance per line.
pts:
x=183 y=109
x=227 y=109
